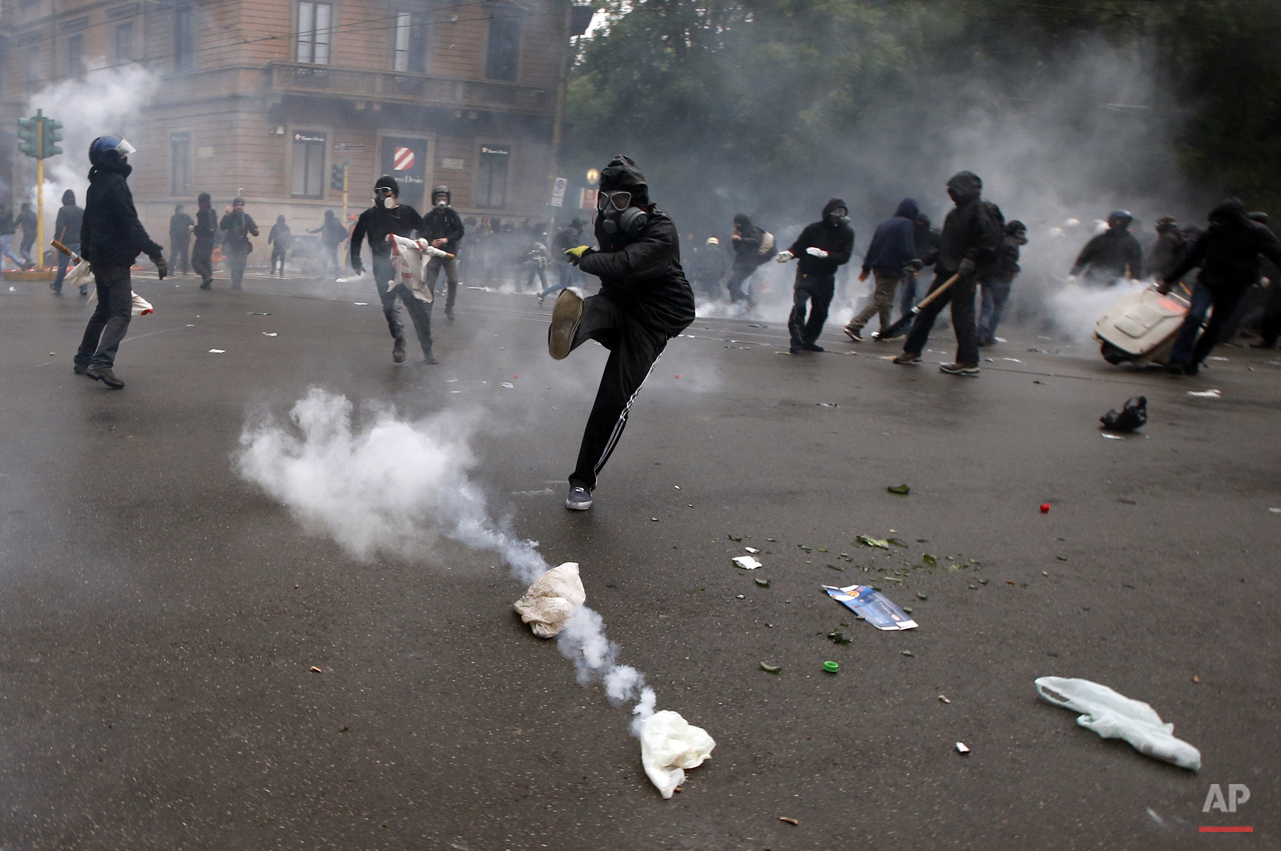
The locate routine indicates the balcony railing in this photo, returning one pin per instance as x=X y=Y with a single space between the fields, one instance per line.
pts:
x=390 y=86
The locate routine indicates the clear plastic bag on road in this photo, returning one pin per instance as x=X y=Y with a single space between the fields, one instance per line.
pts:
x=1114 y=716
x=552 y=599
x=669 y=745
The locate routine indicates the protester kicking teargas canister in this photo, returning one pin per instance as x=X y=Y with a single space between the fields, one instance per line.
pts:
x=893 y=248
x=389 y=216
x=443 y=227
x=822 y=248
x=111 y=238
x=644 y=301
x=971 y=237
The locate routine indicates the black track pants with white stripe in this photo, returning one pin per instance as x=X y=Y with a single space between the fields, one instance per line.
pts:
x=633 y=348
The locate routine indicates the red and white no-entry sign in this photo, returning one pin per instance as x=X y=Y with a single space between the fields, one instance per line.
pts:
x=403 y=160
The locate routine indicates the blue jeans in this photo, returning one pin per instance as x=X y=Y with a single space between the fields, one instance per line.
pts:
x=63 y=261
x=995 y=295
x=1202 y=298
x=909 y=292
x=6 y=251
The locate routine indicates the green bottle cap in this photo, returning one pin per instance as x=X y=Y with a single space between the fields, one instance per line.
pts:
x=831 y=667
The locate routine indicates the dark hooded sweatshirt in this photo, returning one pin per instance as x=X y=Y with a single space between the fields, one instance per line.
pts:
x=971 y=231
x=110 y=234
x=443 y=224
x=70 y=218
x=378 y=221
x=837 y=240
x=1115 y=253
x=1228 y=252
x=894 y=243
x=642 y=274
x=747 y=250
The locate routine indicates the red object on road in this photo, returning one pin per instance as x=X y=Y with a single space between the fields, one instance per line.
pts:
x=1045 y=508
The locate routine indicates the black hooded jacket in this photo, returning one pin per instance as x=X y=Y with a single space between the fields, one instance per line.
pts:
x=747 y=248
x=643 y=273
x=110 y=234
x=377 y=222
x=1228 y=252
x=837 y=240
x=66 y=228
x=972 y=230
x=894 y=242
x=1115 y=253
x=443 y=224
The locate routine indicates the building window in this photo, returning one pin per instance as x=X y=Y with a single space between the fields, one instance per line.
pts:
x=180 y=163
x=503 y=49
x=184 y=39
x=309 y=164
x=411 y=42
x=314 y=22
x=124 y=42
x=491 y=184
x=76 y=55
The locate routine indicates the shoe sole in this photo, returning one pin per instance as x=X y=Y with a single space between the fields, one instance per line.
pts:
x=968 y=373
x=577 y=506
x=916 y=362
x=566 y=314
x=858 y=338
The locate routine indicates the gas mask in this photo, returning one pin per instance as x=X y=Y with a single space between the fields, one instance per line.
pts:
x=618 y=215
x=441 y=203
x=385 y=198
x=838 y=217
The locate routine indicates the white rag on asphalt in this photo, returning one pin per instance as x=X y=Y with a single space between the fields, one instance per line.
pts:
x=669 y=745
x=410 y=257
x=1114 y=716
x=552 y=599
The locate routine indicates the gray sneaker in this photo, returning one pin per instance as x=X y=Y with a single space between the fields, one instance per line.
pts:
x=971 y=369
x=578 y=498
x=566 y=314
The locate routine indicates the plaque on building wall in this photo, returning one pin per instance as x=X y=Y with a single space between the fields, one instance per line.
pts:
x=451 y=164
x=405 y=159
x=350 y=147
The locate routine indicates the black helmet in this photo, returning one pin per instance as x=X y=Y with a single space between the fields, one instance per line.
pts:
x=1120 y=219
x=106 y=151
x=438 y=191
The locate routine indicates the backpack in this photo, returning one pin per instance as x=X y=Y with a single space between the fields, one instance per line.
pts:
x=766 y=250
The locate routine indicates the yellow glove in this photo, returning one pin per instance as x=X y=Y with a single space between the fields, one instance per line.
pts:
x=576 y=254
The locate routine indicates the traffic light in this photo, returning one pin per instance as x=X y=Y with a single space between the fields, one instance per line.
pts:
x=339 y=179
x=28 y=130
x=50 y=138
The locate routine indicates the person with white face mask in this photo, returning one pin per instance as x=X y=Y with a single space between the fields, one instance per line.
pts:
x=444 y=228
x=389 y=216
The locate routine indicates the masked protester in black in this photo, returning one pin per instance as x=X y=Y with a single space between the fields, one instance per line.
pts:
x=111 y=238
x=180 y=225
x=444 y=228
x=1228 y=257
x=205 y=232
x=822 y=248
x=389 y=216
x=1111 y=255
x=971 y=238
x=644 y=301
x=746 y=243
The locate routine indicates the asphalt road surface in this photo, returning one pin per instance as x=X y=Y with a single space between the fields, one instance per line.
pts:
x=161 y=616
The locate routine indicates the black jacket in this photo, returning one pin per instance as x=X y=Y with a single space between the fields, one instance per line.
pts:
x=894 y=242
x=1006 y=267
x=836 y=240
x=1228 y=252
x=747 y=248
x=971 y=231
x=27 y=221
x=1169 y=250
x=1115 y=253
x=180 y=225
x=927 y=241
x=110 y=233
x=206 y=227
x=66 y=228
x=377 y=222
x=443 y=224
x=281 y=235
x=238 y=226
x=643 y=274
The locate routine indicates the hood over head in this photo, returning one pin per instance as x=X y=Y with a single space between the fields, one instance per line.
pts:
x=1230 y=211
x=204 y=201
x=922 y=220
x=965 y=186
x=69 y=197
x=742 y=221
x=907 y=209
x=622 y=174
x=832 y=205
x=576 y=223
x=280 y=220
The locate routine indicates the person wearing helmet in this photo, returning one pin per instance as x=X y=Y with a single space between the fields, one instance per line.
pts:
x=444 y=229
x=180 y=225
x=67 y=231
x=389 y=216
x=997 y=279
x=644 y=301
x=111 y=238
x=205 y=232
x=237 y=226
x=1112 y=255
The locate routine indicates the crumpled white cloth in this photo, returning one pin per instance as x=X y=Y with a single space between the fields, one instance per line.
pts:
x=409 y=257
x=1114 y=716
x=669 y=745
x=552 y=599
